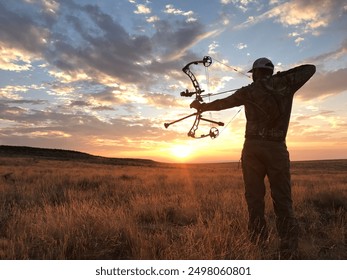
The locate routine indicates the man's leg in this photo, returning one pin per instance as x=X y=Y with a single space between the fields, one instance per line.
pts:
x=280 y=184
x=253 y=176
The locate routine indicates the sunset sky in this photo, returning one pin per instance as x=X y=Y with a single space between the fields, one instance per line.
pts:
x=103 y=77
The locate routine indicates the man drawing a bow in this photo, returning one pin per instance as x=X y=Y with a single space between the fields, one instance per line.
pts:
x=268 y=103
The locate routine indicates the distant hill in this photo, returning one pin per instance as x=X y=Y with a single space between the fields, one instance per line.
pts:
x=68 y=155
x=324 y=165
x=58 y=154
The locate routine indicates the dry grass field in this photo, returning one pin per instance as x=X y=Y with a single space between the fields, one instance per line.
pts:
x=51 y=209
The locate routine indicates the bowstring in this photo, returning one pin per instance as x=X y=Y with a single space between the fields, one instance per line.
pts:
x=225 y=126
x=233 y=68
x=226 y=91
x=209 y=94
x=207 y=75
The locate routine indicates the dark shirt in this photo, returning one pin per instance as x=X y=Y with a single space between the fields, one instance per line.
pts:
x=268 y=102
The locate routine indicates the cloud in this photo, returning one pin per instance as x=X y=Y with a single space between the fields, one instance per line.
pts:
x=333 y=55
x=212 y=48
x=152 y=19
x=14 y=59
x=95 y=46
x=12 y=92
x=241 y=4
x=161 y=100
x=297 y=12
x=306 y=16
x=34 y=123
x=170 y=9
x=241 y=46
x=79 y=103
x=100 y=55
x=46 y=6
x=298 y=40
x=325 y=84
x=142 y=9
x=20 y=34
x=175 y=40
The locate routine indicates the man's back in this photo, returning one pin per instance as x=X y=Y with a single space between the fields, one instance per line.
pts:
x=268 y=102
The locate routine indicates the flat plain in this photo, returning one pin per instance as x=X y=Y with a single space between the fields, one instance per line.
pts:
x=80 y=209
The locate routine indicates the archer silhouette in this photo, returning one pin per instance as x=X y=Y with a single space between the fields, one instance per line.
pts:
x=268 y=104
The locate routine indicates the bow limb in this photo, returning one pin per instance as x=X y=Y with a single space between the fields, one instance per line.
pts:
x=195 y=126
x=213 y=133
x=207 y=61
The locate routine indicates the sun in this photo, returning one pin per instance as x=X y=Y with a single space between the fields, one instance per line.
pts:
x=181 y=151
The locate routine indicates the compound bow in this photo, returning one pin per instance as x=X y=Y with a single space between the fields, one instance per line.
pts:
x=214 y=132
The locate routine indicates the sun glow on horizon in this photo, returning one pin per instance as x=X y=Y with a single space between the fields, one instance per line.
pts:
x=182 y=151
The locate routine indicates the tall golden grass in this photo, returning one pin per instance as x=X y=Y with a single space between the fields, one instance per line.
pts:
x=74 y=210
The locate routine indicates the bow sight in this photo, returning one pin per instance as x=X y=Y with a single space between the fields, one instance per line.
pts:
x=213 y=133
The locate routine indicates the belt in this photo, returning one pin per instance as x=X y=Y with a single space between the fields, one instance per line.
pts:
x=264 y=138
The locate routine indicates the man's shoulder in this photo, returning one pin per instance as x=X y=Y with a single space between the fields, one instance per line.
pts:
x=244 y=90
x=297 y=75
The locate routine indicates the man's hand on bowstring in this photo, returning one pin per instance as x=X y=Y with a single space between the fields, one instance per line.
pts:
x=197 y=105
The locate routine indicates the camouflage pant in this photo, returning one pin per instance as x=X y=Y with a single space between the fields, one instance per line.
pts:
x=267 y=158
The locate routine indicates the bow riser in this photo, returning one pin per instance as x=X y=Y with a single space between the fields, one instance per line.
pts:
x=196 y=85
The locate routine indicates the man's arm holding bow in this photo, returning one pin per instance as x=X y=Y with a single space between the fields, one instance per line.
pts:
x=231 y=101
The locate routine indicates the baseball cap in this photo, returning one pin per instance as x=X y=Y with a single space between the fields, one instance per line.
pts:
x=262 y=62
